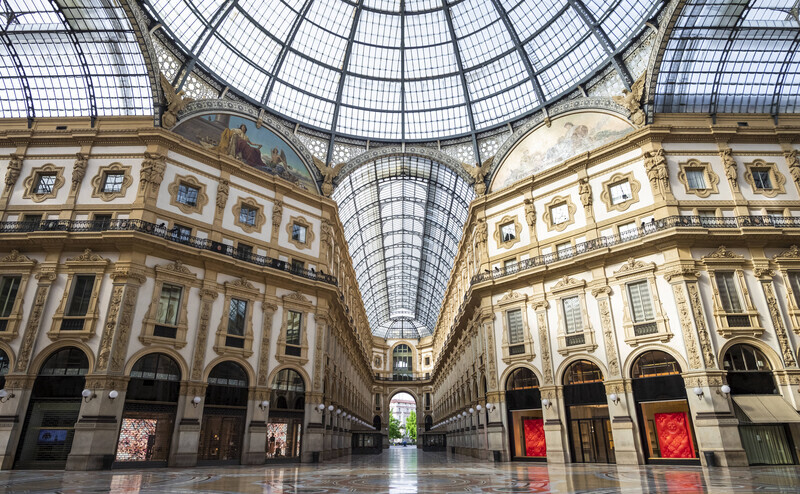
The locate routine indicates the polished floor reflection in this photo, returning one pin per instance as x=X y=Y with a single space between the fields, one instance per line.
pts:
x=407 y=470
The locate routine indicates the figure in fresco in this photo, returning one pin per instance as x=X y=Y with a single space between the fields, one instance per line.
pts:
x=234 y=142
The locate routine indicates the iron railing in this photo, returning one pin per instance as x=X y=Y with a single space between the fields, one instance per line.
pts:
x=643 y=231
x=161 y=231
x=401 y=378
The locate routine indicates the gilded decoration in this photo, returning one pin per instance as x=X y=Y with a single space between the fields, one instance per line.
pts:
x=260 y=218
x=540 y=307
x=607 y=326
x=32 y=181
x=793 y=162
x=268 y=310
x=99 y=180
x=789 y=264
x=309 y=232
x=190 y=181
x=700 y=322
x=277 y=217
x=223 y=189
x=710 y=178
x=34 y=318
x=152 y=172
x=776 y=178
x=777 y=322
x=548 y=213
x=731 y=169
x=498 y=233
x=687 y=328
x=632 y=101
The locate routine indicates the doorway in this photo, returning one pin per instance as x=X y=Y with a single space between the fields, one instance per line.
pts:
x=591 y=438
x=403 y=420
x=222 y=432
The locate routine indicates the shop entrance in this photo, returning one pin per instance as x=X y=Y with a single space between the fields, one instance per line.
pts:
x=224 y=415
x=524 y=404
x=286 y=416
x=591 y=439
x=55 y=404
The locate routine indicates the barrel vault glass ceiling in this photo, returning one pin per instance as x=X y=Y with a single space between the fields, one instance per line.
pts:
x=403 y=69
x=403 y=217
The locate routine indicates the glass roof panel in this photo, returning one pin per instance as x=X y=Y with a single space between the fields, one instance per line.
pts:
x=401 y=238
x=418 y=53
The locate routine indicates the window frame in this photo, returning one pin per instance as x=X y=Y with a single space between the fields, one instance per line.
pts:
x=777 y=179
x=580 y=341
x=259 y=218
x=555 y=202
x=16 y=264
x=32 y=182
x=616 y=179
x=523 y=350
x=710 y=179
x=294 y=302
x=244 y=291
x=724 y=260
x=176 y=274
x=98 y=182
x=300 y=221
x=512 y=222
x=86 y=264
x=656 y=329
x=188 y=181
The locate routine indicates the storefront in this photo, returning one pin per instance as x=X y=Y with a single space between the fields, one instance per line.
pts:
x=524 y=405
x=54 y=407
x=224 y=415
x=286 y=416
x=148 y=419
x=663 y=410
x=589 y=425
x=764 y=416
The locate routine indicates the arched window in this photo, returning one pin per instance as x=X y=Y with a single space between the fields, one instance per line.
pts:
x=156 y=367
x=3 y=368
x=376 y=422
x=288 y=390
x=655 y=363
x=749 y=371
x=428 y=423
x=582 y=371
x=227 y=385
x=521 y=378
x=69 y=361
x=402 y=360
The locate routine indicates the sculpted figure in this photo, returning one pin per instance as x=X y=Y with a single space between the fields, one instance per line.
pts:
x=176 y=101
x=632 y=100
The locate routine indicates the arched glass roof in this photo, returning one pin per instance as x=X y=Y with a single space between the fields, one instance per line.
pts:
x=68 y=58
x=403 y=217
x=403 y=69
x=732 y=56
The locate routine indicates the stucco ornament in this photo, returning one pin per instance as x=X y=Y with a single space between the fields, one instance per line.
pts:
x=632 y=101
x=176 y=101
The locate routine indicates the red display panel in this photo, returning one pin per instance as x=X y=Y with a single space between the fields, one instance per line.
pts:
x=674 y=436
x=535 y=444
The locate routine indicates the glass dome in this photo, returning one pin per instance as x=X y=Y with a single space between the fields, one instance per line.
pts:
x=403 y=69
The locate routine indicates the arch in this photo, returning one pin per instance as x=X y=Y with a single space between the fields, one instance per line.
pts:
x=774 y=358
x=404 y=390
x=287 y=392
x=566 y=363
x=45 y=354
x=627 y=366
x=587 y=365
x=158 y=356
x=295 y=368
x=231 y=364
x=251 y=377
x=177 y=357
x=520 y=375
x=399 y=354
x=510 y=369
x=671 y=13
x=424 y=152
x=9 y=353
x=655 y=363
x=64 y=351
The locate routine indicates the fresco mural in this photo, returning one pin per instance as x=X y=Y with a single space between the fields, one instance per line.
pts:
x=240 y=138
x=567 y=136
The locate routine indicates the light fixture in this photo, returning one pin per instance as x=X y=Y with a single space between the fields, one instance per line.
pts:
x=490 y=406
x=338 y=411
x=88 y=395
x=112 y=395
x=330 y=408
x=471 y=411
x=320 y=407
x=724 y=390
x=196 y=401
x=546 y=403
x=263 y=405
x=478 y=408
x=698 y=391
x=614 y=398
x=5 y=395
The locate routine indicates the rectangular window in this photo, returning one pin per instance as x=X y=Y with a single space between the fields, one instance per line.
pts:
x=628 y=231
x=237 y=312
x=112 y=181
x=559 y=213
x=293 y=325
x=427 y=361
x=45 y=183
x=187 y=195
x=32 y=218
x=168 y=305
x=572 y=314
x=299 y=233
x=564 y=250
x=510 y=265
x=508 y=232
x=620 y=192
x=180 y=233
x=775 y=217
x=298 y=265
x=514 y=318
x=726 y=285
x=102 y=221
x=794 y=282
x=761 y=178
x=82 y=287
x=707 y=217
x=696 y=178
x=244 y=251
x=641 y=305
x=9 y=286
x=247 y=216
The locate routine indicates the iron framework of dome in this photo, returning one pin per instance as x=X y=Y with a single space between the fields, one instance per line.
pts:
x=403 y=69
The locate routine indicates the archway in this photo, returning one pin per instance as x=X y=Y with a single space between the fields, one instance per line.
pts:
x=53 y=410
x=286 y=415
x=403 y=419
x=224 y=414
x=148 y=418
x=662 y=408
x=524 y=404
x=587 y=413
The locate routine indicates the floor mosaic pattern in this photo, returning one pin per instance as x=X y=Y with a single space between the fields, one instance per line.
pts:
x=407 y=470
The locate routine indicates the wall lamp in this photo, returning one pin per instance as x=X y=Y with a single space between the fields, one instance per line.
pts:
x=478 y=408
x=5 y=395
x=698 y=391
x=319 y=408
x=490 y=406
x=546 y=403
x=614 y=398
x=196 y=401
x=724 y=390
x=88 y=395
x=264 y=405
x=330 y=408
x=112 y=395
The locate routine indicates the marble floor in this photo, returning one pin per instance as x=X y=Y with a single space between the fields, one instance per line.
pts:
x=407 y=470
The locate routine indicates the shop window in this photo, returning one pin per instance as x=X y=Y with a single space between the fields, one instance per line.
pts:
x=749 y=370
x=582 y=372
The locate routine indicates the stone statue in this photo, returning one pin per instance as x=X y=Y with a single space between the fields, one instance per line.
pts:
x=14 y=169
x=585 y=192
x=222 y=194
x=730 y=167
x=79 y=170
x=478 y=174
x=176 y=101
x=328 y=172
x=530 y=213
x=153 y=168
x=656 y=165
x=794 y=164
x=632 y=101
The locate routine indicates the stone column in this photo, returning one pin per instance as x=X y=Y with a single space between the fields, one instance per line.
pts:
x=254 y=447
x=496 y=428
x=555 y=433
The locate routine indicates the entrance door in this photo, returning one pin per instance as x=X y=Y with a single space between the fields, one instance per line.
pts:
x=592 y=441
x=766 y=444
x=221 y=438
x=283 y=437
x=48 y=433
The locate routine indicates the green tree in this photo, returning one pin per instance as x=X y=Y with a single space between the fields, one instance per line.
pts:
x=411 y=426
x=394 y=427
